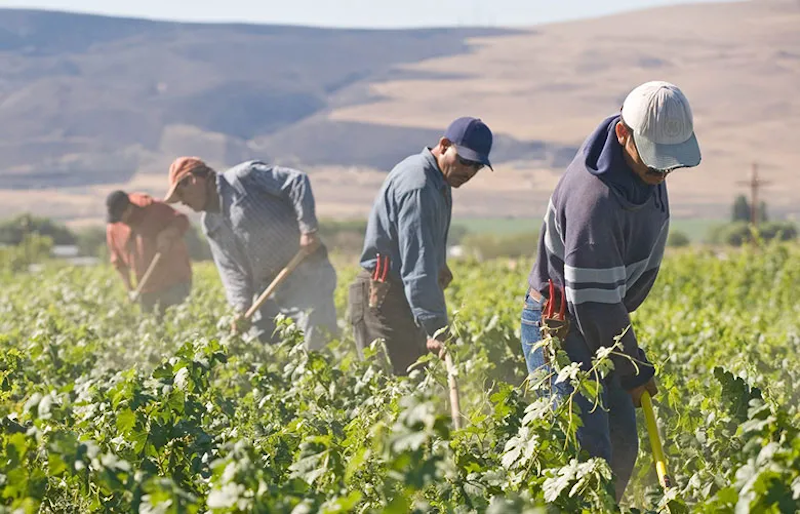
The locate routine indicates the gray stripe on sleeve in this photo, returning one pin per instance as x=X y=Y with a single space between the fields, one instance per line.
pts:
x=576 y=276
x=553 y=238
x=608 y=296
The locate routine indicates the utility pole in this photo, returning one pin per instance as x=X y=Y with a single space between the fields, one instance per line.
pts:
x=754 y=184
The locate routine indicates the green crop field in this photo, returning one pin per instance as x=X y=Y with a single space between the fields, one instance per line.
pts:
x=103 y=409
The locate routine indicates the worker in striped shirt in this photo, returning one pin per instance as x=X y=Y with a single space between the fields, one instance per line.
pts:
x=256 y=217
x=602 y=242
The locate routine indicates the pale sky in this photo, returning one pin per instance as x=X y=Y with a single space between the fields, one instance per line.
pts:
x=353 y=13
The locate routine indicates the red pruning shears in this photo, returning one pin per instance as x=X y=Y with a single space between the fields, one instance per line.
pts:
x=381 y=269
x=550 y=311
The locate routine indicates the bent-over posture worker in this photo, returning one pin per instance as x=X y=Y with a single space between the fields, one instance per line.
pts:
x=256 y=218
x=602 y=241
x=138 y=228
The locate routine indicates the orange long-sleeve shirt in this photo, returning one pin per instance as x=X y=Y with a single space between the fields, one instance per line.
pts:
x=134 y=246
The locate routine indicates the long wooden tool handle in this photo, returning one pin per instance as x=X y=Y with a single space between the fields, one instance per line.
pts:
x=146 y=276
x=655 y=441
x=455 y=404
x=297 y=259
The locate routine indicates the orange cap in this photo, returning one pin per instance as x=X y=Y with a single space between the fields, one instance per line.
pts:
x=180 y=168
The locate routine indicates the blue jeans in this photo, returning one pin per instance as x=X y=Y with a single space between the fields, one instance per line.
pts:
x=608 y=432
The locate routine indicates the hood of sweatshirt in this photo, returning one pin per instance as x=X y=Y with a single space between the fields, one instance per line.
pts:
x=603 y=157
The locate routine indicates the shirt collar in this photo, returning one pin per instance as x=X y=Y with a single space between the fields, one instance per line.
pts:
x=433 y=171
x=217 y=189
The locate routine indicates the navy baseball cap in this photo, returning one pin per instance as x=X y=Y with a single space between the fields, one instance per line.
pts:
x=472 y=138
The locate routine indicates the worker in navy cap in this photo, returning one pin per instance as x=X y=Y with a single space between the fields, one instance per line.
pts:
x=398 y=295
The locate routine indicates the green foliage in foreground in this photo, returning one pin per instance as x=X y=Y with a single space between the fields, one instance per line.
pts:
x=103 y=410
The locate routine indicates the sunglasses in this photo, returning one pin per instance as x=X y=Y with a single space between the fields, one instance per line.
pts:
x=650 y=171
x=472 y=164
x=659 y=173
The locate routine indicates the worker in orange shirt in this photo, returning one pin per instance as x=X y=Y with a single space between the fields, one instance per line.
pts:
x=138 y=228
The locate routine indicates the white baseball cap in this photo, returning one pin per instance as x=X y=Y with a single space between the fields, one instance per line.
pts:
x=663 y=127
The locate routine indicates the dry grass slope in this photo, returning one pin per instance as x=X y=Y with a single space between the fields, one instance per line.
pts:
x=541 y=89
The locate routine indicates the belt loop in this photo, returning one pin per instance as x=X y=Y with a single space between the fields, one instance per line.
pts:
x=536 y=296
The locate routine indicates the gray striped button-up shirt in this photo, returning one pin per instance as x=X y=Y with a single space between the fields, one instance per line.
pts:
x=256 y=232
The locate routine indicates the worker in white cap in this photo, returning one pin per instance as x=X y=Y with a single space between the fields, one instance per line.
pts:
x=599 y=252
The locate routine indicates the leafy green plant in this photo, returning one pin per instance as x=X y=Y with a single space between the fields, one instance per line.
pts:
x=104 y=409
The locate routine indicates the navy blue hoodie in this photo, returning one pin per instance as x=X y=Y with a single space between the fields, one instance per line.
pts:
x=603 y=239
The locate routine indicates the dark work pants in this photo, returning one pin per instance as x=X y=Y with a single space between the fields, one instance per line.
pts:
x=391 y=321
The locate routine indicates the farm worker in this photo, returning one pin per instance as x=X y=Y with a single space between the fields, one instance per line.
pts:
x=139 y=227
x=602 y=240
x=398 y=295
x=256 y=217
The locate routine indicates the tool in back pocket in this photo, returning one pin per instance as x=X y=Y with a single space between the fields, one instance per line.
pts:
x=378 y=286
x=554 y=319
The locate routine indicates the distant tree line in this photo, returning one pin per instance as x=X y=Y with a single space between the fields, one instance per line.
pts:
x=740 y=230
x=13 y=231
x=25 y=235
x=741 y=210
x=90 y=241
